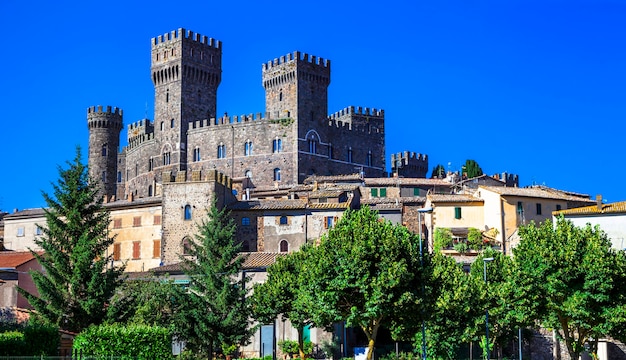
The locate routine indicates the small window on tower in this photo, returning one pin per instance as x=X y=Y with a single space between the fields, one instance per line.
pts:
x=280 y=96
x=104 y=150
x=172 y=123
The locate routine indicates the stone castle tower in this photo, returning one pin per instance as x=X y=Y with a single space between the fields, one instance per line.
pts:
x=294 y=138
x=104 y=141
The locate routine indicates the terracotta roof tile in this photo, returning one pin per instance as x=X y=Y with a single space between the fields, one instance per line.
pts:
x=322 y=206
x=269 y=204
x=453 y=198
x=253 y=260
x=406 y=182
x=613 y=208
x=332 y=178
x=13 y=259
x=535 y=192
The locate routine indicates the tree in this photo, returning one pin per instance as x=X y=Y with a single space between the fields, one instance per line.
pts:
x=439 y=172
x=76 y=284
x=572 y=280
x=282 y=293
x=472 y=169
x=457 y=302
x=214 y=310
x=365 y=271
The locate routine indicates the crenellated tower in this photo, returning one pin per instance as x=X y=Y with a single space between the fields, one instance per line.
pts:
x=296 y=86
x=186 y=72
x=104 y=140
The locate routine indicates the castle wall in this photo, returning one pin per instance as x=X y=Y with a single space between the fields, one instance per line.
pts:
x=104 y=140
x=233 y=136
x=197 y=192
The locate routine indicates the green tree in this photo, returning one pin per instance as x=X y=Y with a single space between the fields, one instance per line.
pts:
x=472 y=169
x=496 y=296
x=365 y=271
x=214 y=311
x=439 y=172
x=282 y=295
x=572 y=281
x=76 y=284
x=457 y=303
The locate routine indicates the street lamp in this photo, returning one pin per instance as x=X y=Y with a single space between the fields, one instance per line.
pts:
x=419 y=222
x=485 y=261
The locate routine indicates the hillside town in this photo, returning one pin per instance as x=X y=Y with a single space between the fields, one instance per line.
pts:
x=286 y=178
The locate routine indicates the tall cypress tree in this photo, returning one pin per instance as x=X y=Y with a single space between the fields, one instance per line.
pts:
x=76 y=284
x=214 y=313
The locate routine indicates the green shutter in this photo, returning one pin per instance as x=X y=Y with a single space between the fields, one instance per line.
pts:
x=457 y=212
x=383 y=192
x=374 y=192
x=416 y=192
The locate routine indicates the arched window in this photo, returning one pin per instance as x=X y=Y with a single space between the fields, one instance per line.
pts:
x=284 y=246
x=162 y=126
x=349 y=159
x=196 y=154
x=247 y=151
x=119 y=176
x=369 y=158
x=280 y=96
x=167 y=158
x=186 y=246
x=313 y=146
x=167 y=95
x=187 y=212
x=277 y=145
x=149 y=190
x=284 y=220
x=104 y=149
x=172 y=123
x=136 y=169
x=277 y=174
x=330 y=151
x=221 y=151
x=248 y=174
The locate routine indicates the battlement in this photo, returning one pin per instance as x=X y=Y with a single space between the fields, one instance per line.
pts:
x=182 y=34
x=297 y=56
x=409 y=164
x=351 y=110
x=183 y=176
x=508 y=179
x=110 y=117
x=226 y=120
x=139 y=124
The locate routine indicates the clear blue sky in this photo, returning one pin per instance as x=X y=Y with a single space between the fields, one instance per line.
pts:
x=535 y=88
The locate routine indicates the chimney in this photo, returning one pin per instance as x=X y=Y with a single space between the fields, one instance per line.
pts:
x=599 y=202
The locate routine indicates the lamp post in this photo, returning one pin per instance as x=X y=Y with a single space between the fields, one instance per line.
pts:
x=485 y=261
x=419 y=222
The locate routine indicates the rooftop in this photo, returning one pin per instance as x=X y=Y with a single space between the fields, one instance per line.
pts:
x=613 y=208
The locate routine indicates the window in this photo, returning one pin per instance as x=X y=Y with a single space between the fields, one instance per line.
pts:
x=117 y=249
x=186 y=247
x=150 y=164
x=248 y=174
x=162 y=126
x=374 y=192
x=416 y=192
x=313 y=146
x=330 y=151
x=156 y=249
x=221 y=151
x=284 y=220
x=167 y=96
x=137 y=221
x=280 y=96
x=149 y=190
x=277 y=174
x=136 y=169
x=538 y=209
x=119 y=176
x=457 y=212
x=104 y=177
x=329 y=221
x=172 y=123
x=136 y=250
x=558 y=207
x=284 y=246
x=277 y=145
x=369 y=158
x=167 y=158
x=245 y=221
x=349 y=159
x=187 y=212
x=383 y=192
x=196 y=154
x=104 y=150
x=117 y=223
x=38 y=230
x=520 y=208
x=156 y=220
x=247 y=150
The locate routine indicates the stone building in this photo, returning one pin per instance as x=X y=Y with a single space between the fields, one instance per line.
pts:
x=294 y=137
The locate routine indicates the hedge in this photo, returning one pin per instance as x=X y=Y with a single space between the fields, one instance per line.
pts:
x=30 y=340
x=125 y=342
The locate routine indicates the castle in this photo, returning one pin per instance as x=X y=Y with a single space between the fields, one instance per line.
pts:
x=293 y=139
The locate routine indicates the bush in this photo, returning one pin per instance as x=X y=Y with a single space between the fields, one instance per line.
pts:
x=442 y=238
x=475 y=239
x=125 y=342
x=30 y=339
x=461 y=247
x=291 y=347
x=12 y=343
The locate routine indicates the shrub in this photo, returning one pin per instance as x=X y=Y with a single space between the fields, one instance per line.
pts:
x=125 y=342
x=30 y=339
x=12 y=343
x=461 y=247
x=442 y=239
x=475 y=239
x=291 y=347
